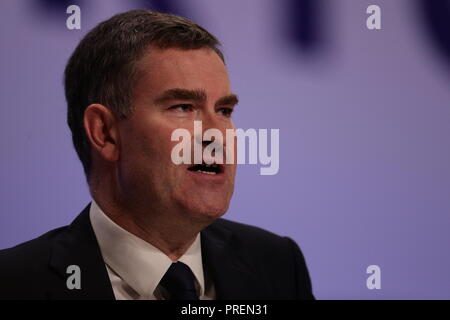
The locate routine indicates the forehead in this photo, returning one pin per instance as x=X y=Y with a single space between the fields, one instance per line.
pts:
x=164 y=69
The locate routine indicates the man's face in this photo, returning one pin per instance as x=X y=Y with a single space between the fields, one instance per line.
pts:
x=176 y=88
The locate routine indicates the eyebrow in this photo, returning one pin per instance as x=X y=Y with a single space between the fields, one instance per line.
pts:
x=228 y=100
x=198 y=96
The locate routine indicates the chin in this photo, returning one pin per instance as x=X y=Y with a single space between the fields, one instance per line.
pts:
x=207 y=212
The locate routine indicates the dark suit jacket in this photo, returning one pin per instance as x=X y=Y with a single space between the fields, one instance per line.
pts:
x=244 y=262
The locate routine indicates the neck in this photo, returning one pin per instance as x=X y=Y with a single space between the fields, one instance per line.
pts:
x=169 y=231
x=172 y=239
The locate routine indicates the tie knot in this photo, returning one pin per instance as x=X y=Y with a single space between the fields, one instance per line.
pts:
x=179 y=281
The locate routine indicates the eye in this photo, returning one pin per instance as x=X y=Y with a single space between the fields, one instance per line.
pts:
x=226 y=111
x=182 y=107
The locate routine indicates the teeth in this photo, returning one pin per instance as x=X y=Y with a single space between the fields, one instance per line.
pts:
x=207 y=172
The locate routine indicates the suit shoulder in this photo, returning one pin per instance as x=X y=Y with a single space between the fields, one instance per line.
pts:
x=24 y=268
x=258 y=243
x=251 y=234
x=29 y=252
x=278 y=260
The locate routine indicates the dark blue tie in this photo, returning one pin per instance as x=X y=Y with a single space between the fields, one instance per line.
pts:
x=179 y=282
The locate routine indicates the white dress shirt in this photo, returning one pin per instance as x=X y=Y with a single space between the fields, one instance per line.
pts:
x=135 y=267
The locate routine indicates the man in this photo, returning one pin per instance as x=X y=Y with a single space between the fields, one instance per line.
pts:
x=153 y=229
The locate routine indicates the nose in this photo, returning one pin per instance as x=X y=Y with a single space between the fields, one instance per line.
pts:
x=214 y=128
x=211 y=120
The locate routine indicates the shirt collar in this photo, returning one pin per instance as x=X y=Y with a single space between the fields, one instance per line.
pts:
x=137 y=262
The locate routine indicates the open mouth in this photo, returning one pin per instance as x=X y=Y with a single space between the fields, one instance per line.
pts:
x=207 y=168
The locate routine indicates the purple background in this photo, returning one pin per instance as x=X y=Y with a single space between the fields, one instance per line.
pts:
x=364 y=136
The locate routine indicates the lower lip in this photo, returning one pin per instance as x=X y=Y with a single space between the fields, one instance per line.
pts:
x=218 y=177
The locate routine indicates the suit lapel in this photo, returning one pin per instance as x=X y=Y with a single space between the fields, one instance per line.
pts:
x=232 y=276
x=78 y=246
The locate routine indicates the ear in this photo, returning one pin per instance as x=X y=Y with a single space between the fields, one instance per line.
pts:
x=101 y=129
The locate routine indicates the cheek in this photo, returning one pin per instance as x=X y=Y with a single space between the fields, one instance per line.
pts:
x=154 y=152
x=147 y=145
x=145 y=166
x=146 y=135
x=153 y=157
